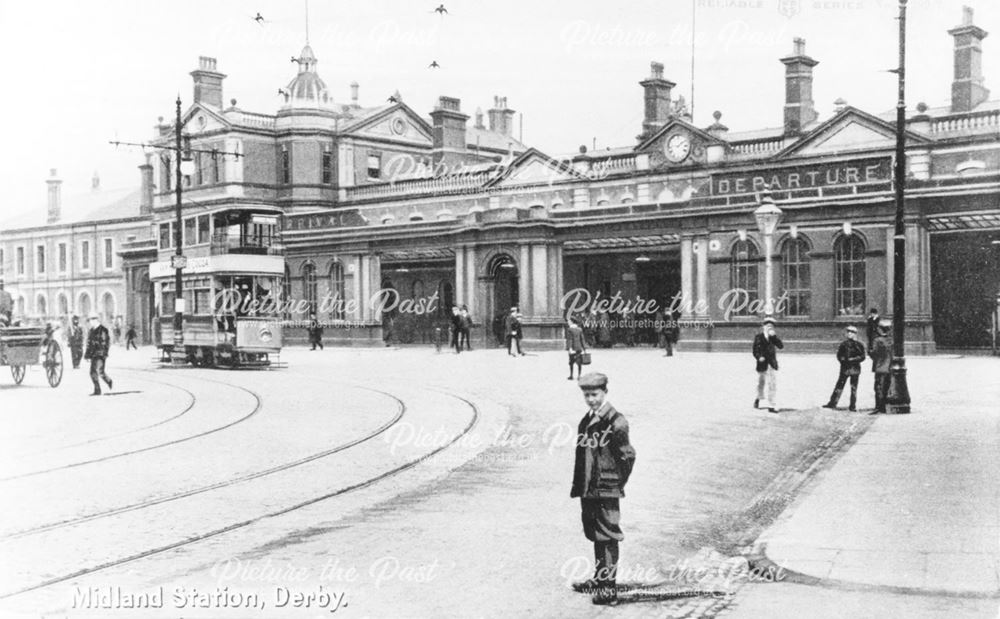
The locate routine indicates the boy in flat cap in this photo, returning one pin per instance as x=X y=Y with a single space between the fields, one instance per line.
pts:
x=765 y=351
x=850 y=354
x=603 y=464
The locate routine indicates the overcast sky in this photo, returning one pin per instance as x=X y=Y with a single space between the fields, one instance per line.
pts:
x=78 y=74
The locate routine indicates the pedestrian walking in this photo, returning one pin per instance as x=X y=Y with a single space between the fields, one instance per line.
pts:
x=466 y=328
x=575 y=346
x=117 y=329
x=98 y=345
x=881 y=354
x=872 y=326
x=74 y=337
x=513 y=331
x=765 y=351
x=850 y=354
x=603 y=463
x=315 y=331
x=130 y=336
x=671 y=333
x=456 y=329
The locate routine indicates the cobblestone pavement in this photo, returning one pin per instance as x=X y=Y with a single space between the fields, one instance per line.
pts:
x=445 y=477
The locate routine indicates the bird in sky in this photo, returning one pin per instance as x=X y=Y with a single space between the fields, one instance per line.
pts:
x=441 y=10
x=434 y=65
x=392 y=99
x=259 y=19
x=294 y=59
x=282 y=91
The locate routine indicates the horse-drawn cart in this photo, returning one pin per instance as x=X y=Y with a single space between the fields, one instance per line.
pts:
x=24 y=346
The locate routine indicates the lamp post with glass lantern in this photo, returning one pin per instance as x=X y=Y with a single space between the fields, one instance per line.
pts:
x=768 y=216
x=185 y=168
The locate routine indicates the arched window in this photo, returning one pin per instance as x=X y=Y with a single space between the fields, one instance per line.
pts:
x=41 y=307
x=849 y=270
x=309 y=292
x=337 y=290
x=795 y=276
x=63 y=305
x=108 y=306
x=743 y=274
x=85 y=306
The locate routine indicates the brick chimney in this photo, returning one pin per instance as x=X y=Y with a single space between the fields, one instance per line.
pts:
x=799 y=110
x=146 y=180
x=354 y=95
x=657 y=100
x=55 y=197
x=967 y=90
x=207 y=83
x=501 y=118
x=448 y=130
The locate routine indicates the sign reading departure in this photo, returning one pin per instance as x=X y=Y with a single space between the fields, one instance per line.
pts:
x=804 y=176
x=351 y=218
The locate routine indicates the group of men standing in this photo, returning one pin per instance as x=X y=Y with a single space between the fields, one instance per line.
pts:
x=461 y=325
x=850 y=354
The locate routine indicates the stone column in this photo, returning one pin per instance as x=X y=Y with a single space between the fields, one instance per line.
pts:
x=702 y=277
x=524 y=287
x=539 y=281
x=687 y=274
x=460 y=289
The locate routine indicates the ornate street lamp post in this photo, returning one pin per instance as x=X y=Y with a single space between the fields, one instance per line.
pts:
x=185 y=167
x=768 y=216
x=898 y=398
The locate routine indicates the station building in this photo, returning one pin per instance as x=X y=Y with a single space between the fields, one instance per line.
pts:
x=347 y=201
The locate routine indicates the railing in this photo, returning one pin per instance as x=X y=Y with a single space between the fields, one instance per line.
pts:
x=457 y=184
x=756 y=147
x=975 y=120
x=250 y=119
x=263 y=245
x=616 y=165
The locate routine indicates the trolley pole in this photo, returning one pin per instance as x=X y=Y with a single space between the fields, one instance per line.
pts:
x=178 y=242
x=898 y=398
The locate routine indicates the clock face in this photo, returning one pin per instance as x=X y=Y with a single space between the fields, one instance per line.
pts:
x=677 y=148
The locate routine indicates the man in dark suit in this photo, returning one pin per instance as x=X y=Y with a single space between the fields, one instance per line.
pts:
x=315 y=332
x=456 y=329
x=765 y=351
x=872 y=326
x=466 y=322
x=850 y=354
x=603 y=463
x=881 y=354
x=75 y=340
x=512 y=328
x=98 y=344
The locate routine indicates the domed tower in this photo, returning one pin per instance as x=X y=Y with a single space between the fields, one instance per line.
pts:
x=307 y=89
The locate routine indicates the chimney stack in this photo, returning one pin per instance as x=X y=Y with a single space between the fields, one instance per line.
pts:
x=207 y=83
x=448 y=129
x=55 y=197
x=354 y=95
x=967 y=90
x=479 y=118
x=501 y=118
x=799 y=110
x=657 y=100
x=146 y=179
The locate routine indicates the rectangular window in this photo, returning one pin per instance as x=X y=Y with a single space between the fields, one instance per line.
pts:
x=166 y=170
x=199 y=169
x=165 y=236
x=374 y=166
x=20 y=261
x=190 y=231
x=62 y=257
x=215 y=169
x=109 y=254
x=327 y=166
x=40 y=259
x=286 y=171
x=85 y=255
x=203 y=229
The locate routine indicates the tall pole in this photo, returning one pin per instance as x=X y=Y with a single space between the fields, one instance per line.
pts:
x=178 y=238
x=898 y=399
x=768 y=275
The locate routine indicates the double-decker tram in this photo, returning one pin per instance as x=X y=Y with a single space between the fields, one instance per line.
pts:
x=232 y=287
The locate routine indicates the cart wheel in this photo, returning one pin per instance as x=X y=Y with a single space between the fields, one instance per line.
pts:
x=53 y=364
x=17 y=371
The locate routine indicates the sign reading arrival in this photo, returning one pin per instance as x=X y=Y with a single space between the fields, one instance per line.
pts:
x=805 y=177
x=349 y=218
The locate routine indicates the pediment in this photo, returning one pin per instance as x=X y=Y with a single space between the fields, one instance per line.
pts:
x=397 y=122
x=535 y=168
x=200 y=119
x=849 y=130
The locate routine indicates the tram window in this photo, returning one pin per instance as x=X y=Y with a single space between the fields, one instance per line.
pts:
x=190 y=231
x=203 y=229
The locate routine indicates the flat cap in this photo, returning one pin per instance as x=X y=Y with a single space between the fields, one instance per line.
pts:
x=768 y=321
x=852 y=329
x=593 y=380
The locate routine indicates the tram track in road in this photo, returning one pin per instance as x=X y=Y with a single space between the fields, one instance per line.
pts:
x=256 y=408
x=400 y=411
x=187 y=408
x=474 y=419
